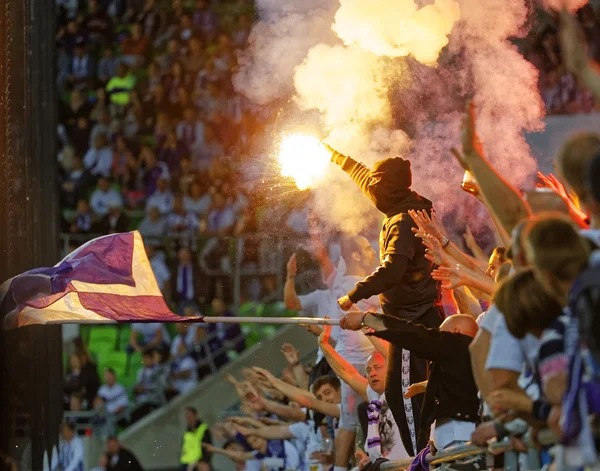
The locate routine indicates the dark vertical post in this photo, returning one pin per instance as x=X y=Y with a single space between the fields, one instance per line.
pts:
x=30 y=358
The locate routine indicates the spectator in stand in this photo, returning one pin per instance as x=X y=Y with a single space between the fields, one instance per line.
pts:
x=102 y=127
x=181 y=223
x=242 y=31
x=153 y=228
x=197 y=202
x=228 y=332
x=162 y=199
x=98 y=160
x=75 y=184
x=102 y=463
x=80 y=136
x=172 y=54
x=83 y=68
x=115 y=221
x=135 y=47
x=185 y=31
x=104 y=197
x=120 y=87
x=113 y=394
x=98 y=24
x=119 y=458
x=209 y=150
x=206 y=21
x=187 y=279
x=176 y=78
x=160 y=269
x=187 y=175
x=154 y=171
x=151 y=19
x=146 y=337
x=183 y=376
x=81 y=222
x=108 y=66
x=82 y=378
x=196 y=435
x=172 y=151
x=221 y=217
x=71 y=451
x=149 y=388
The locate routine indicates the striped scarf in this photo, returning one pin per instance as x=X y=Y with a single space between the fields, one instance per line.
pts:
x=373 y=437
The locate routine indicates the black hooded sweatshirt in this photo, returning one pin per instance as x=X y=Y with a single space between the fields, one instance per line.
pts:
x=403 y=279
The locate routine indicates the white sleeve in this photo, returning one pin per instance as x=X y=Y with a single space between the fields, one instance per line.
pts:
x=122 y=398
x=163 y=272
x=292 y=459
x=78 y=455
x=94 y=203
x=89 y=159
x=310 y=301
x=299 y=430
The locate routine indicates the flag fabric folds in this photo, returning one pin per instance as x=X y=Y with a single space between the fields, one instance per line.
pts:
x=106 y=280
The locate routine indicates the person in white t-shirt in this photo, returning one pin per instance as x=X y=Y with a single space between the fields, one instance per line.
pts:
x=358 y=260
x=273 y=455
x=383 y=437
x=303 y=435
x=184 y=373
x=113 y=394
x=71 y=451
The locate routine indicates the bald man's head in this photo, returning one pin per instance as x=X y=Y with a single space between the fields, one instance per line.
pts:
x=460 y=324
x=376 y=369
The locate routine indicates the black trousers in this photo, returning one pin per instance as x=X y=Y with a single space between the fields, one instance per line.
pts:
x=405 y=369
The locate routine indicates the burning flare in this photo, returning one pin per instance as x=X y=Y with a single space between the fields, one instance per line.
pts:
x=305 y=159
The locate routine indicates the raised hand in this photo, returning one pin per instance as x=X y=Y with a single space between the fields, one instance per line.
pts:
x=290 y=353
x=292 y=267
x=266 y=375
x=450 y=277
x=435 y=253
x=325 y=334
x=425 y=224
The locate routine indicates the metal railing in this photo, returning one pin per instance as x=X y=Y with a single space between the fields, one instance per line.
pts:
x=268 y=260
x=469 y=450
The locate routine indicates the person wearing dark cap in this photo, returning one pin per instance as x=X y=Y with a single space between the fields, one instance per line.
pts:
x=403 y=279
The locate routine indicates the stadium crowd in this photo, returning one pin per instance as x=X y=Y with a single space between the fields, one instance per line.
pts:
x=150 y=122
x=513 y=356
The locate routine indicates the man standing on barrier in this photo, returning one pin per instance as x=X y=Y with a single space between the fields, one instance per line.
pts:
x=402 y=281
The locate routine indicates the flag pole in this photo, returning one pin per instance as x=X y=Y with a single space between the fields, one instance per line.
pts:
x=265 y=320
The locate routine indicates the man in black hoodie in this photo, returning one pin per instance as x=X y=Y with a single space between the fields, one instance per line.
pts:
x=402 y=281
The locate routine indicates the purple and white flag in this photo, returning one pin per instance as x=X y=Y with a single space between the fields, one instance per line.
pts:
x=106 y=280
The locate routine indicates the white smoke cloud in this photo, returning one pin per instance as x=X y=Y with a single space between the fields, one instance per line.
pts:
x=396 y=28
x=293 y=51
x=346 y=85
x=278 y=43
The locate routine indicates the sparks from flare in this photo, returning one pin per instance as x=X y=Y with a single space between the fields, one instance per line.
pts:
x=304 y=158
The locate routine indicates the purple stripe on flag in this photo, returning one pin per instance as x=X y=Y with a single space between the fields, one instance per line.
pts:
x=129 y=308
x=105 y=261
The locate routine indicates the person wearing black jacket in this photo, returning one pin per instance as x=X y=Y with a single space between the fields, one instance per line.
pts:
x=451 y=396
x=119 y=458
x=403 y=280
